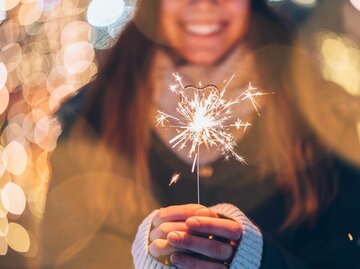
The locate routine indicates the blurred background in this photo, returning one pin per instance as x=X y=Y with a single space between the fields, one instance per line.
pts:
x=49 y=50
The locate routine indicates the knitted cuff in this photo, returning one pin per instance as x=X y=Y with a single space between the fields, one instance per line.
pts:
x=249 y=252
x=140 y=247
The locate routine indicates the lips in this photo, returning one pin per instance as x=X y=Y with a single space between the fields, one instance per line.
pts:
x=203 y=29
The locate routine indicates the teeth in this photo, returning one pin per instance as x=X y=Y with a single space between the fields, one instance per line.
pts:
x=202 y=29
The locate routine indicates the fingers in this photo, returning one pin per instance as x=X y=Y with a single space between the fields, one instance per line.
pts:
x=160 y=247
x=181 y=212
x=187 y=262
x=162 y=231
x=225 y=228
x=210 y=248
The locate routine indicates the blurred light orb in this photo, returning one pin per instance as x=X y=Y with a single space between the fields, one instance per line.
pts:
x=50 y=5
x=3 y=211
x=30 y=12
x=7 y=5
x=4 y=223
x=46 y=132
x=78 y=57
x=3 y=246
x=356 y=4
x=11 y=55
x=2 y=15
x=102 y=13
x=59 y=94
x=3 y=163
x=30 y=121
x=13 y=198
x=4 y=99
x=3 y=75
x=17 y=158
x=340 y=59
x=305 y=3
x=18 y=238
x=14 y=132
x=74 y=32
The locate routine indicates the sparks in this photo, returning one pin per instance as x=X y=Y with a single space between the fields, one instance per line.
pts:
x=205 y=117
x=350 y=237
x=175 y=178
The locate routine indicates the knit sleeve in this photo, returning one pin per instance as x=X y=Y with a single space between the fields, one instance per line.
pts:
x=140 y=247
x=249 y=252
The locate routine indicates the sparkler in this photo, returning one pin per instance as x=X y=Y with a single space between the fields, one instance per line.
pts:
x=205 y=118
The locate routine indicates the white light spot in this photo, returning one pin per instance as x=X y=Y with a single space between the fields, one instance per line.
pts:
x=18 y=238
x=305 y=3
x=16 y=158
x=356 y=4
x=13 y=198
x=6 y=5
x=4 y=99
x=102 y=13
x=78 y=57
x=3 y=75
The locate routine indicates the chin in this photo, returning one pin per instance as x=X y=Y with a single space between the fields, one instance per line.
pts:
x=202 y=59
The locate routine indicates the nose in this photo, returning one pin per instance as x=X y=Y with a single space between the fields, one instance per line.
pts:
x=204 y=2
x=204 y=5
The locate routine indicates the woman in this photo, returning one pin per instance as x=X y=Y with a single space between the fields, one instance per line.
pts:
x=291 y=207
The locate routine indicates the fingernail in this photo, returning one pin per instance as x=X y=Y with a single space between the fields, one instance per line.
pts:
x=176 y=259
x=173 y=237
x=203 y=212
x=192 y=223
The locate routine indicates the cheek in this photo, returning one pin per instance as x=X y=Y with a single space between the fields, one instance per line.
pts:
x=169 y=13
x=240 y=15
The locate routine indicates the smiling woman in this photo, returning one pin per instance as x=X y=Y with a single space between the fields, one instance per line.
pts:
x=292 y=206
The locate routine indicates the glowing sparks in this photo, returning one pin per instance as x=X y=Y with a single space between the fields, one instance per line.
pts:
x=205 y=118
x=175 y=178
x=350 y=237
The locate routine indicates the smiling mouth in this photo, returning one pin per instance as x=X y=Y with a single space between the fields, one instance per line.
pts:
x=203 y=29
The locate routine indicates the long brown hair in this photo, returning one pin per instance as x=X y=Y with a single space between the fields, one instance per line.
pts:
x=120 y=105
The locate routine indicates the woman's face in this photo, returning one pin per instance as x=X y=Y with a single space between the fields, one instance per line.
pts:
x=203 y=31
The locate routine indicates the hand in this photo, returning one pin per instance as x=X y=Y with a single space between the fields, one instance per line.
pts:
x=220 y=252
x=174 y=234
x=170 y=219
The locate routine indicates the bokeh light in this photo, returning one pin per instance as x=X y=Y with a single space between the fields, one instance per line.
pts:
x=46 y=55
x=13 y=198
x=3 y=246
x=17 y=237
x=4 y=223
x=356 y=4
x=16 y=158
x=305 y=3
x=3 y=75
x=6 y=5
x=78 y=57
x=4 y=99
x=11 y=55
x=340 y=60
x=30 y=11
x=3 y=161
x=103 y=13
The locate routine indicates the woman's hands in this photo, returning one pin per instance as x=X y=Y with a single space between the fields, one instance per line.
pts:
x=186 y=232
